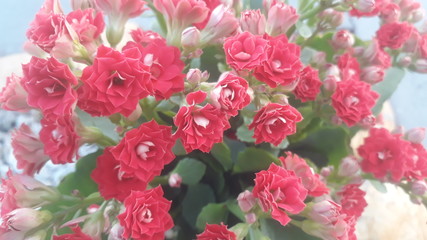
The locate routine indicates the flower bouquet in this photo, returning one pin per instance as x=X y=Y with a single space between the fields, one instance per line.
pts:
x=218 y=120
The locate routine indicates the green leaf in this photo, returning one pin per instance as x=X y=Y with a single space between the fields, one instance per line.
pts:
x=253 y=160
x=241 y=230
x=303 y=29
x=321 y=43
x=387 y=87
x=275 y=231
x=379 y=186
x=213 y=213
x=244 y=134
x=234 y=208
x=104 y=124
x=256 y=234
x=190 y=170
x=307 y=54
x=222 y=153
x=196 y=198
x=80 y=179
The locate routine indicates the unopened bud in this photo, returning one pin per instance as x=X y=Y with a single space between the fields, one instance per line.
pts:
x=348 y=167
x=253 y=21
x=250 y=218
x=421 y=65
x=194 y=76
x=332 y=69
x=417 y=15
x=326 y=171
x=82 y=4
x=175 y=180
x=365 y=5
x=280 y=18
x=281 y=99
x=116 y=232
x=343 y=39
x=416 y=135
x=330 y=83
x=324 y=212
x=24 y=219
x=331 y=18
x=190 y=38
x=246 y=201
x=419 y=187
x=373 y=74
x=404 y=61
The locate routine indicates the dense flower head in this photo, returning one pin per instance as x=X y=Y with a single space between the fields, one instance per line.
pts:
x=309 y=85
x=200 y=127
x=165 y=67
x=45 y=29
x=352 y=200
x=353 y=100
x=310 y=180
x=274 y=122
x=28 y=150
x=279 y=190
x=112 y=183
x=13 y=97
x=394 y=35
x=146 y=215
x=245 y=51
x=114 y=83
x=144 y=151
x=283 y=64
x=217 y=232
x=60 y=139
x=230 y=94
x=49 y=84
x=384 y=154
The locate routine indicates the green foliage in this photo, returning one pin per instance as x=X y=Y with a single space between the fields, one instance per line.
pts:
x=244 y=134
x=275 y=231
x=213 y=213
x=222 y=153
x=387 y=87
x=196 y=198
x=253 y=160
x=190 y=170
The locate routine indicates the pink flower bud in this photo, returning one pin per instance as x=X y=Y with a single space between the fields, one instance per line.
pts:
x=246 y=201
x=325 y=212
x=250 y=218
x=82 y=4
x=121 y=9
x=331 y=18
x=365 y=5
x=253 y=21
x=24 y=219
x=412 y=44
x=194 y=76
x=175 y=180
x=421 y=65
x=281 y=99
x=417 y=15
x=13 y=97
x=134 y=116
x=349 y=167
x=280 y=18
x=404 y=61
x=372 y=74
x=221 y=24
x=326 y=171
x=419 y=187
x=343 y=39
x=190 y=38
x=116 y=232
x=330 y=83
x=416 y=135
x=390 y=13
x=332 y=69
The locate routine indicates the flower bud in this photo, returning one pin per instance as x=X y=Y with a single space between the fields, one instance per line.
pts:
x=419 y=187
x=116 y=232
x=175 y=180
x=222 y=23
x=82 y=4
x=280 y=18
x=24 y=219
x=190 y=38
x=194 y=76
x=331 y=18
x=324 y=212
x=246 y=201
x=332 y=69
x=343 y=39
x=372 y=74
x=348 y=167
x=390 y=13
x=330 y=83
x=13 y=97
x=326 y=171
x=417 y=15
x=404 y=61
x=250 y=218
x=416 y=135
x=365 y=5
x=280 y=99
x=421 y=65
x=253 y=21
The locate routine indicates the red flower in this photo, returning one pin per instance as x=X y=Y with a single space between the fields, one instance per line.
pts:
x=283 y=63
x=60 y=138
x=144 y=151
x=394 y=35
x=417 y=162
x=374 y=10
x=353 y=100
x=200 y=127
x=349 y=67
x=87 y=25
x=308 y=86
x=274 y=122
x=245 y=51
x=216 y=232
x=13 y=97
x=114 y=83
x=310 y=180
x=165 y=64
x=384 y=153
x=146 y=215
x=352 y=200
x=77 y=235
x=279 y=190
x=45 y=29
x=111 y=181
x=49 y=86
x=230 y=94
x=145 y=37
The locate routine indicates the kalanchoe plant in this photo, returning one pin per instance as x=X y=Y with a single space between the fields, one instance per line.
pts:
x=213 y=127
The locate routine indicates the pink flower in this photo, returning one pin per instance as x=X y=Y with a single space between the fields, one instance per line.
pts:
x=417 y=162
x=375 y=55
x=211 y=4
x=222 y=23
x=60 y=138
x=144 y=151
x=112 y=182
x=372 y=74
x=283 y=64
x=13 y=97
x=25 y=219
x=280 y=18
x=200 y=127
x=352 y=200
x=49 y=84
x=121 y=9
x=390 y=13
x=146 y=215
x=182 y=13
x=245 y=51
x=114 y=83
x=28 y=150
x=384 y=154
x=86 y=24
x=246 y=201
x=217 y=232
x=367 y=8
x=349 y=67
x=310 y=180
x=252 y=21
x=165 y=64
x=353 y=100
x=394 y=35
x=45 y=29
x=343 y=39
x=230 y=94
x=145 y=37
x=274 y=122
x=309 y=85
x=279 y=190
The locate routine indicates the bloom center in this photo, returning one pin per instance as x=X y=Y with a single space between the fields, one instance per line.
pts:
x=201 y=121
x=143 y=148
x=351 y=101
x=145 y=215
